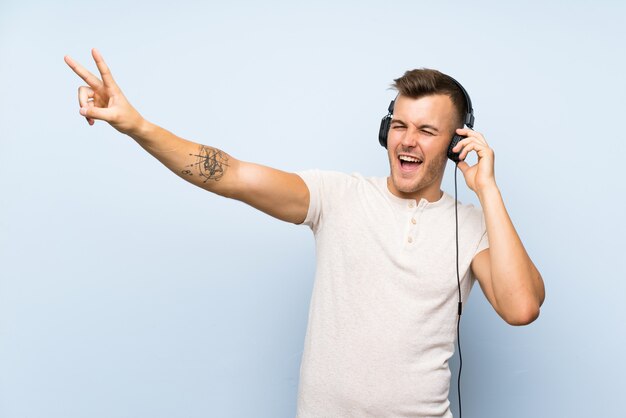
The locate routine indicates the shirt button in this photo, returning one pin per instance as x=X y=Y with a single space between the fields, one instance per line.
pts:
x=410 y=240
x=413 y=221
x=411 y=204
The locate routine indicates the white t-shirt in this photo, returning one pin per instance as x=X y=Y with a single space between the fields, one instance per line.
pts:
x=382 y=319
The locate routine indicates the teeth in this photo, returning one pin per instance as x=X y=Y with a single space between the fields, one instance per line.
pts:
x=410 y=159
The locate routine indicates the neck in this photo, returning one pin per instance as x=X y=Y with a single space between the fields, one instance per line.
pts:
x=432 y=194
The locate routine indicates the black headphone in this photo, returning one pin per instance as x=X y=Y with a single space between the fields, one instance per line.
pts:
x=468 y=120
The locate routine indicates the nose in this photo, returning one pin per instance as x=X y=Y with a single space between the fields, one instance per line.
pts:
x=409 y=139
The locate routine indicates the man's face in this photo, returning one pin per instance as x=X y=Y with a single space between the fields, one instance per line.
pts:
x=420 y=129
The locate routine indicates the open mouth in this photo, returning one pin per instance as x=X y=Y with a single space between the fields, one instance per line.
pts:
x=408 y=163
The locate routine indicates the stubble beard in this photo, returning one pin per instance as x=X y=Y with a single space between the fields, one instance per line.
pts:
x=429 y=173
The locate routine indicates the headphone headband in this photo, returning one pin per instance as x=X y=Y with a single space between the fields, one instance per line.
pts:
x=469 y=115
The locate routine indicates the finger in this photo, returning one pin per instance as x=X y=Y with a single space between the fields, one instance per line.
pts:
x=459 y=145
x=471 y=133
x=82 y=72
x=84 y=94
x=98 y=113
x=473 y=146
x=462 y=143
x=482 y=151
x=85 y=98
x=91 y=121
x=107 y=78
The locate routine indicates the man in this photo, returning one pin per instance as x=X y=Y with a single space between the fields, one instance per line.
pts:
x=383 y=311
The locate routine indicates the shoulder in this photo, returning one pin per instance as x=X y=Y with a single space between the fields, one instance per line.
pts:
x=330 y=190
x=468 y=211
x=329 y=175
x=324 y=179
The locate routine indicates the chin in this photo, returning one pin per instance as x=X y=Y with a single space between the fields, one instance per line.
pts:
x=427 y=177
x=404 y=185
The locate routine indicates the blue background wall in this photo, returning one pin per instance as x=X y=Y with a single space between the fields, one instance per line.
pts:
x=125 y=292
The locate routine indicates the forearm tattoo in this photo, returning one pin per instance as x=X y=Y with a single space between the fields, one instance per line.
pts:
x=210 y=164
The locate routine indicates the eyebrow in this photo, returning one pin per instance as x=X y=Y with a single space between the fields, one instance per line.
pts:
x=423 y=126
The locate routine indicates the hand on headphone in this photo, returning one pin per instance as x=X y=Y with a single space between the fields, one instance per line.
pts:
x=481 y=174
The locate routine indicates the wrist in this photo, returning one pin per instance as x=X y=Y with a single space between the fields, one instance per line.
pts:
x=141 y=130
x=487 y=191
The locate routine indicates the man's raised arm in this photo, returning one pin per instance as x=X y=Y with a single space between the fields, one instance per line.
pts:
x=280 y=194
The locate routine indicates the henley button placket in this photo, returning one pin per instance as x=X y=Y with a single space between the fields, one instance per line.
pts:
x=410 y=238
x=416 y=213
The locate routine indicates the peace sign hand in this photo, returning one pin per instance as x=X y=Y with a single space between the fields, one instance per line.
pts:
x=103 y=99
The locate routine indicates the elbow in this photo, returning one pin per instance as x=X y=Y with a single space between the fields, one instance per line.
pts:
x=527 y=310
x=524 y=315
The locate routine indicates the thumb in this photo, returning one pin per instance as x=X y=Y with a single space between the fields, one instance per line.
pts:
x=93 y=112
x=463 y=166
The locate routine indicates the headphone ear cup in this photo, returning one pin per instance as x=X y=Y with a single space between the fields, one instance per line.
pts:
x=384 y=130
x=454 y=156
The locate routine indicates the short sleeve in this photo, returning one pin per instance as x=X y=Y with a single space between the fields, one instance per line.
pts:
x=483 y=244
x=312 y=179
x=484 y=239
x=327 y=192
